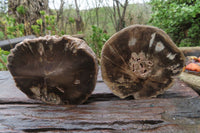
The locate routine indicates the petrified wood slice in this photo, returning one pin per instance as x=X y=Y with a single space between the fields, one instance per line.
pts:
x=140 y=61
x=56 y=70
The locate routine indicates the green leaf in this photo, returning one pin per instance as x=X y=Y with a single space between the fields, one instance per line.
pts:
x=21 y=10
x=1 y=35
x=71 y=20
x=39 y=21
x=180 y=19
x=49 y=28
x=42 y=12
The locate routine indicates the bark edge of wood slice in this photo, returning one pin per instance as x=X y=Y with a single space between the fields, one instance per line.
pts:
x=140 y=61
x=55 y=70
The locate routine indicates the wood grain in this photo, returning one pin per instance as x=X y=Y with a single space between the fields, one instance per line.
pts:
x=177 y=110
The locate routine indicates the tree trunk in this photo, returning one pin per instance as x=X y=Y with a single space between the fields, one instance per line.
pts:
x=59 y=12
x=117 y=16
x=97 y=16
x=32 y=12
x=79 y=21
x=121 y=21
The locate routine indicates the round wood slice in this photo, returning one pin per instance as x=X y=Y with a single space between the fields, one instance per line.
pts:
x=140 y=61
x=56 y=70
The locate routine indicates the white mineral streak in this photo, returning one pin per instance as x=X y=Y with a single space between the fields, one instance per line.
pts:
x=159 y=47
x=175 y=68
x=35 y=90
x=152 y=39
x=171 y=56
x=60 y=89
x=29 y=46
x=66 y=46
x=77 y=81
x=136 y=95
x=50 y=47
x=121 y=79
x=40 y=49
x=132 y=42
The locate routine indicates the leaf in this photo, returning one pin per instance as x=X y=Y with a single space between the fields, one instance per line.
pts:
x=49 y=28
x=39 y=21
x=42 y=12
x=176 y=17
x=1 y=35
x=21 y=9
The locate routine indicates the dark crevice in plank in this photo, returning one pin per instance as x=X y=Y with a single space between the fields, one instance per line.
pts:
x=105 y=97
x=63 y=129
x=120 y=123
x=4 y=101
x=19 y=102
x=160 y=130
x=150 y=122
x=168 y=95
x=100 y=81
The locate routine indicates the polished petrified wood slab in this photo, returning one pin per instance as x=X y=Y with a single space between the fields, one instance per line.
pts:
x=55 y=70
x=177 y=110
x=140 y=61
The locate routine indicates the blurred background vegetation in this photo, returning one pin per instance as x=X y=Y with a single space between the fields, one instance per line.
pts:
x=97 y=20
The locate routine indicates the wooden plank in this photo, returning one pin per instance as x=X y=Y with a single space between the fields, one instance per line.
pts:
x=177 y=110
x=190 y=51
x=10 y=43
x=192 y=80
x=10 y=93
x=155 y=115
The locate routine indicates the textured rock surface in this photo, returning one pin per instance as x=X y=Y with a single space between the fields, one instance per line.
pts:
x=140 y=61
x=55 y=70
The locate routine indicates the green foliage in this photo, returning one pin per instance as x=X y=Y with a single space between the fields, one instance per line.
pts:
x=71 y=20
x=10 y=28
x=1 y=35
x=98 y=38
x=187 y=42
x=62 y=32
x=36 y=29
x=50 y=20
x=21 y=9
x=39 y=21
x=180 y=19
x=50 y=25
x=3 y=59
x=42 y=12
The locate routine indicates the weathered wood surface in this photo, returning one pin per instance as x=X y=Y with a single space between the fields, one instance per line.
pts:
x=192 y=80
x=177 y=110
x=10 y=43
x=190 y=51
